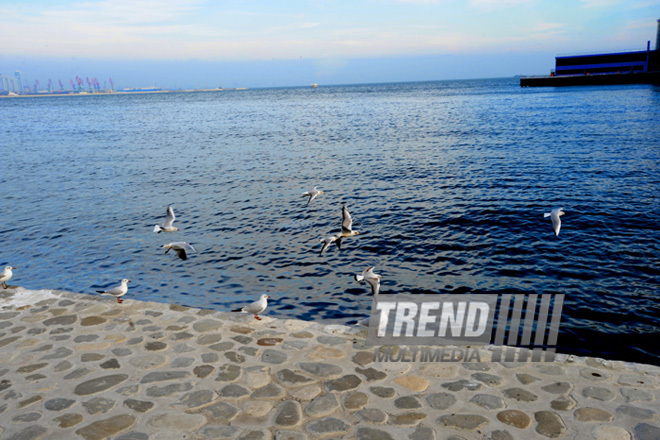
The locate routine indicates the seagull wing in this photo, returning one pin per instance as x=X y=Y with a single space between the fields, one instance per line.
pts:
x=346 y=220
x=169 y=218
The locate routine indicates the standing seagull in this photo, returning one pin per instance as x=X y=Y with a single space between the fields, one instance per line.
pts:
x=370 y=277
x=256 y=307
x=167 y=223
x=312 y=194
x=181 y=248
x=554 y=216
x=6 y=276
x=118 y=291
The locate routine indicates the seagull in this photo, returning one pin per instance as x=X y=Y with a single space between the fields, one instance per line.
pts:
x=346 y=226
x=312 y=194
x=554 y=215
x=6 y=276
x=167 y=223
x=118 y=291
x=370 y=277
x=327 y=241
x=255 y=307
x=181 y=248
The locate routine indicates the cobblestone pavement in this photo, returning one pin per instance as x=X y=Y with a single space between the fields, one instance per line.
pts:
x=80 y=366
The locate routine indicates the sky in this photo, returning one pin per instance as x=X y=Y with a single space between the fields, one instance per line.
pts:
x=280 y=43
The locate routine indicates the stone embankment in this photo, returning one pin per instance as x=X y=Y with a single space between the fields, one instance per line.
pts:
x=84 y=367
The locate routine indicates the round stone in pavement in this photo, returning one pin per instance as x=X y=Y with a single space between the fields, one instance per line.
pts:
x=58 y=404
x=488 y=401
x=646 y=431
x=372 y=434
x=467 y=422
x=99 y=384
x=33 y=432
x=515 y=418
x=328 y=426
x=608 y=432
x=289 y=413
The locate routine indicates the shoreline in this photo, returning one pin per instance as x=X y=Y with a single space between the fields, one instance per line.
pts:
x=82 y=366
x=120 y=92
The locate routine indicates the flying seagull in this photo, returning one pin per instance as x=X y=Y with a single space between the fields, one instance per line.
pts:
x=118 y=291
x=346 y=226
x=327 y=241
x=6 y=276
x=167 y=223
x=312 y=194
x=181 y=248
x=373 y=279
x=554 y=216
x=255 y=307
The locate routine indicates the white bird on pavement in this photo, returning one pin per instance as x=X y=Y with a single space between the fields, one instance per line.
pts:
x=181 y=248
x=118 y=291
x=255 y=307
x=554 y=216
x=167 y=223
x=312 y=194
x=6 y=276
x=373 y=279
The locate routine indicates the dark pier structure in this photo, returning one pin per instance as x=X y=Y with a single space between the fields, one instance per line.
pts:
x=634 y=67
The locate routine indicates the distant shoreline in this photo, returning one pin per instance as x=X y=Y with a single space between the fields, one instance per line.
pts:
x=121 y=92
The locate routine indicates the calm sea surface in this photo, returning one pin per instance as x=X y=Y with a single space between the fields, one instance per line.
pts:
x=446 y=181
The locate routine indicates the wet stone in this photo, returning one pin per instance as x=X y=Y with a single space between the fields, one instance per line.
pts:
x=488 y=379
x=270 y=391
x=363 y=433
x=557 y=388
x=103 y=429
x=519 y=394
x=635 y=395
x=68 y=420
x=408 y=419
x=27 y=417
x=321 y=370
x=363 y=358
x=155 y=346
x=196 y=399
x=288 y=413
x=167 y=390
x=515 y=418
x=220 y=413
x=91 y=357
x=598 y=393
x=161 y=376
x=138 y=405
x=407 y=402
x=92 y=320
x=371 y=374
x=99 y=405
x=440 y=400
x=322 y=405
x=592 y=415
x=463 y=384
x=182 y=362
x=565 y=403
x=291 y=378
x=549 y=424
x=273 y=357
x=110 y=364
x=488 y=401
x=202 y=371
x=646 y=431
x=356 y=400
x=61 y=320
x=468 y=422
x=234 y=391
x=99 y=384
x=34 y=432
x=635 y=412
x=328 y=426
x=384 y=392
x=121 y=352
x=344 y=383
x=59 y=404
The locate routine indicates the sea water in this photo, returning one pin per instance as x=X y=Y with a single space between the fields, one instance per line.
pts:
x=447 y=183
